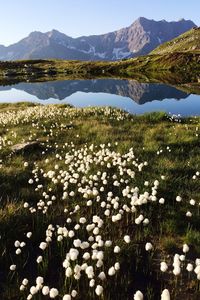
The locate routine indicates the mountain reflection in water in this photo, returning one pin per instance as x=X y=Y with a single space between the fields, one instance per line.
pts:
x=142 y=94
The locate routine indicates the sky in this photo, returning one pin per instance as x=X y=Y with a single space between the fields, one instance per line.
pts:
x=85 y=17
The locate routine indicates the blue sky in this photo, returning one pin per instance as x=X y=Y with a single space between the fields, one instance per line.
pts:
x=84 y=17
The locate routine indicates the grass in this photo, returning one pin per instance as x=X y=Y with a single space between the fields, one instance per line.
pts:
x=171 y=150
x=171 y=67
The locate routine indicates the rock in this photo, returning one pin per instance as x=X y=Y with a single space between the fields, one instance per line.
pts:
x=26 y=146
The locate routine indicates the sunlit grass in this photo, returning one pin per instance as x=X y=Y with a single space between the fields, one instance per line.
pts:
x=147 y=155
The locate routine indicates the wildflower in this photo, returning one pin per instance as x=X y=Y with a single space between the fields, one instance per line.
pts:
x=25 y=281
x=185 y=248
x=33 y=290
x=165 y=295
x=161 y=200
x=178 y=199
x=67 y=297
x=17 y=244
x=111 y=271
x=138 y=296
x=99 y=290
x=53 y=293
x=45 y=290
x=39 y=259
x=116 y=249
x=43 y=245
x=192 y=202
x=148 y=247
x=74 y=293
x=39 y=280
x=189 y=267
x=188 y=214
x=18 y=251
x=163 y=266
x=127 y=239
x=29 y=234
x=13 y=267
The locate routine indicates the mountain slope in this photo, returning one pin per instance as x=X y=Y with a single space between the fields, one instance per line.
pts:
x=138 y=39
x=187 y=42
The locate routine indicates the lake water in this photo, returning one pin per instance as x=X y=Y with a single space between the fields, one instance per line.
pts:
x=129 y=95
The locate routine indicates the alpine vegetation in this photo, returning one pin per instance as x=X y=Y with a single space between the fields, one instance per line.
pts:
x=98 y=204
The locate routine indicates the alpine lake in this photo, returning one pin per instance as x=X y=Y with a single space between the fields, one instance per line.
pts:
x=129 y=95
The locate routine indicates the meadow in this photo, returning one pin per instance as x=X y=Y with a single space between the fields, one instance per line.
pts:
x=98 y=204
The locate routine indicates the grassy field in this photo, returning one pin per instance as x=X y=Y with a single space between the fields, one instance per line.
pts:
x=172 y=68
x=103 y=205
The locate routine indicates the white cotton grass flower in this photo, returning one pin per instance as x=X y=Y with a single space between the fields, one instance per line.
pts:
x=163 y=266
x=99 y=290
x=148 y=247
x=111 y=271
x=68 y=272
x=117 y=249
x=176 y=270
x=161 y=201
x=182 y=257
x=165 y=295
x=192 y=202
x=178 y=199
x=74 y=293
x=29 y=234
x=39 y=259
x=189 y=267
x=146 y=221
x=22 y=287
x=45 y=290
x=33 y=290
x=39 y=280
x=18 y=251
x=92 y=283
x=17 y=244
x=102 y=276
x=117 y=266
x=26 y=205
x=25 y=281
x=127 y=239
x=188 y=214
x=67 y=297
x=12 y=267
x=53 y=293
x=138 y=296
x=185 y=248
x=43 y=245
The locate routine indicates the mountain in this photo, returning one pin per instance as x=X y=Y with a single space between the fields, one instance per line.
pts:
x=189 y=41
x=138 y=39
x=138 y=92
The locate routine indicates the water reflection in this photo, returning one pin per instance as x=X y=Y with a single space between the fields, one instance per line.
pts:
x=127 y=94
x=139 y=92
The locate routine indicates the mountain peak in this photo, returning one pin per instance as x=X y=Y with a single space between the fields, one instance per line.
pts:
x=56 y=35
x=53 y=32
x=36 y=33
x=140 y=38
x=140 y=19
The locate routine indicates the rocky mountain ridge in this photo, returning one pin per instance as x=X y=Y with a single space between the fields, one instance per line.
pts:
x=140 y=38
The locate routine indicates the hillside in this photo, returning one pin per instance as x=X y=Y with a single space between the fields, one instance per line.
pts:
x=172 y=63
x=187 y=42
x=140 y=38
